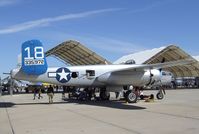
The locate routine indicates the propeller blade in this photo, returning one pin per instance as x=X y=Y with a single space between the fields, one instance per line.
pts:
x=7 y=73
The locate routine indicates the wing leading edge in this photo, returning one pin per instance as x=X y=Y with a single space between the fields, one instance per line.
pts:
x=144 y=67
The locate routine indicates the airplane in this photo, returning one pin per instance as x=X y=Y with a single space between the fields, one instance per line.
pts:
x=108 y=78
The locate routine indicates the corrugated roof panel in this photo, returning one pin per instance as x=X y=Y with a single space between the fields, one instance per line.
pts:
x=73 y=53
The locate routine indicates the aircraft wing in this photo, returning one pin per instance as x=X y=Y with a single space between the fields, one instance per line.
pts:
x=144 y=67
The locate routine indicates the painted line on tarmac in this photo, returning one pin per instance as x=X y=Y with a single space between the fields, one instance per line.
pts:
x=11 y=126
x=173 y=115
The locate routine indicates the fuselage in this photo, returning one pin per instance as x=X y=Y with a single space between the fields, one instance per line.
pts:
x=93 y=75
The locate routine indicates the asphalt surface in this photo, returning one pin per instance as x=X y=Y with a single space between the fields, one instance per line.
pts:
x=177 y=113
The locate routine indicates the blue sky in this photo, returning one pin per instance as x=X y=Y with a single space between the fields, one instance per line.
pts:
x=111 y=28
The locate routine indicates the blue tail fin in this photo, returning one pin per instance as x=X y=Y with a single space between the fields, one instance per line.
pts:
x=33 y=58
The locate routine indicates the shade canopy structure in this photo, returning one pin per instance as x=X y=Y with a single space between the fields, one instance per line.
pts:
x=168 y=53
x=74 y=53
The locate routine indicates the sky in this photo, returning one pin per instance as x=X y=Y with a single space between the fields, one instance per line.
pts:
x=111 y=28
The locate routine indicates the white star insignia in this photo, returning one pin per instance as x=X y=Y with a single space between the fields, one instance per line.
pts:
x=63 y=75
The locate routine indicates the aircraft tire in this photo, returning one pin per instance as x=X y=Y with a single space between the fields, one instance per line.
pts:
x=130 y=97
x=159 y=96
x=104 y=95
x=69 y=96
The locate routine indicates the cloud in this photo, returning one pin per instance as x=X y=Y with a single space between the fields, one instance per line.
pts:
x=103 y=44
x=114 y=46
x=46 y=21
x=96 y=42
x=7 y=2
x=110 y=48
x=151 y=6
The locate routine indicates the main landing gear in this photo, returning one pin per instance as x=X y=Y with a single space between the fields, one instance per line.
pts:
x=100 y=94
x=104 y=95
x=89 y=94
x=130 y=96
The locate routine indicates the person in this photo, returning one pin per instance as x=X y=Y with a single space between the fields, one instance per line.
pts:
x=64 y=91
x=137 y=91
x=50 y=93
x=142 y=96
x=39 y=93
x=34 y=93
x=57 y=88
x=150 y=98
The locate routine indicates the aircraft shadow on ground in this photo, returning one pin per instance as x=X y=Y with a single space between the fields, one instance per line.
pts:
x=6 y=104
x=108 y=104
x=11 y=104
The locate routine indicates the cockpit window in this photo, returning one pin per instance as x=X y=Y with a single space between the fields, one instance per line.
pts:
x=90 y=72
x=130 y=62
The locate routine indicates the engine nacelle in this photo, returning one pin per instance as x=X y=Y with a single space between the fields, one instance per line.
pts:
x=151 y=77
x=135 y=78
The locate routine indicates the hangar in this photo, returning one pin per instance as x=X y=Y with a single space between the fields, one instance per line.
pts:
x=74 y=53
x=169 y=53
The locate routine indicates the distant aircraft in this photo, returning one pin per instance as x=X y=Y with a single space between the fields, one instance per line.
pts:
x=17 y=84
x=108 y=78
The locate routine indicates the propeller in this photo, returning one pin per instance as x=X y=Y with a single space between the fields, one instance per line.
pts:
x=10 y=82
x=7 y=73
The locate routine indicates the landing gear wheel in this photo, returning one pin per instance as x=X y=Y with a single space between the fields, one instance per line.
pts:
x=82 y=96
x=104 y=95
x=130 y=97
x=69 y=95
x=159 y=95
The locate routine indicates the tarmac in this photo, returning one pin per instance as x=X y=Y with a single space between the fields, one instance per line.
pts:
x=177 y=113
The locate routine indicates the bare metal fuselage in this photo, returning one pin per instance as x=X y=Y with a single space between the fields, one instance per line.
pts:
x=103 y=76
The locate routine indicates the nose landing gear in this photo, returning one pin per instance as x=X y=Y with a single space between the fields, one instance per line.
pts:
x=160 y=94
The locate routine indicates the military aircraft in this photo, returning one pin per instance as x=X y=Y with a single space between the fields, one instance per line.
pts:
x=108 y=78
